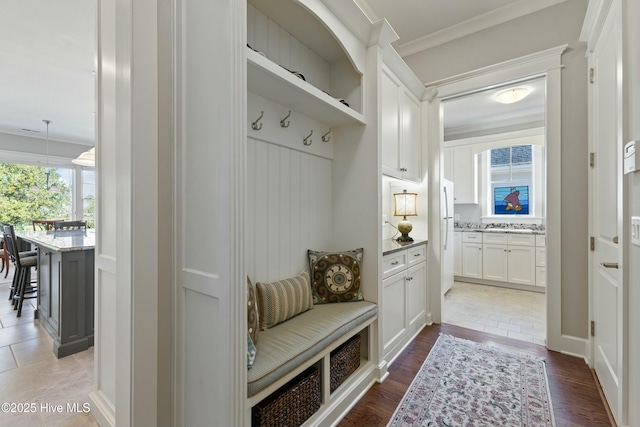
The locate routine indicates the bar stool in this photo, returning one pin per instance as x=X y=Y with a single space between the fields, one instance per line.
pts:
x=21 y=288
x=4 y=255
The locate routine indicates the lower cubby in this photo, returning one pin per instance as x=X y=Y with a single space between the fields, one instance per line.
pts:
x=292 y=404
x=324 y=387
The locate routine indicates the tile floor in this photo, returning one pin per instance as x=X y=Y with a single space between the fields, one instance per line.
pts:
x=31 y=376
x=508 y=312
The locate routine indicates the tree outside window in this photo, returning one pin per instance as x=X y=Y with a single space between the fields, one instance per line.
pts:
x=19 y=205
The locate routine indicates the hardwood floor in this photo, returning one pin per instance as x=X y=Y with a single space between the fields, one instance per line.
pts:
x=574 y=393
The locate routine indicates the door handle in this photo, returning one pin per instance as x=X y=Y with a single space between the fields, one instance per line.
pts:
x=609 y=264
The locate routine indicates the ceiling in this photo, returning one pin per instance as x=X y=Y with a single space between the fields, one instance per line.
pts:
x=46 y=69
x=47 y=55
x=423 y=24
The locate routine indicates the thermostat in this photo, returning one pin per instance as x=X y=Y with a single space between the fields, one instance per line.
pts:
x=631 y=161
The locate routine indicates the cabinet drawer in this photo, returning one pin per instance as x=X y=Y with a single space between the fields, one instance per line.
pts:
x=494 y=238
x=541 y=257
x=522 y=240
x=541 y=240
x=393 y=263
x=417 y=254
x=471 y=237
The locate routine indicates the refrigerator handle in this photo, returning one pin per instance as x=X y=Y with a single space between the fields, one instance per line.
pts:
x=446 y=203
x=446 y=234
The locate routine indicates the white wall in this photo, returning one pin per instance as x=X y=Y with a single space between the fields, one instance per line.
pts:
x=551 y=27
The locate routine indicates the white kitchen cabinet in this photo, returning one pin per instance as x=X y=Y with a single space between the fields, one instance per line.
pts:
x=541 y=261
x=416 y=280
x=457 y=254
x=401 y=130
x=522 y=262
x=504 y=257
x=447 y=158
x=465 y=175
x=495 y=262
x=404 y=298
x=472 y=260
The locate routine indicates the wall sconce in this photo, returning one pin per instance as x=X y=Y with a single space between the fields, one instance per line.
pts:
x=405 y=205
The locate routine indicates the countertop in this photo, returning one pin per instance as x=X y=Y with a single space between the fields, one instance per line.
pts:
x=512 y=230
x=62 y=241
x=390 y=246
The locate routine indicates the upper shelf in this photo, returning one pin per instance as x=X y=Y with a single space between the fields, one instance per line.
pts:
x=268 y=79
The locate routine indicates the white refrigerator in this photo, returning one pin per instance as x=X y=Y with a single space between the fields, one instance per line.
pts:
x=447 y=235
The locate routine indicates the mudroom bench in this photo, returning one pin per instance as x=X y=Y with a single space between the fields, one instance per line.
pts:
x=309 y=342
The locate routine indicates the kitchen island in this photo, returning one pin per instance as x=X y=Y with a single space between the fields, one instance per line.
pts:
x=65 y=286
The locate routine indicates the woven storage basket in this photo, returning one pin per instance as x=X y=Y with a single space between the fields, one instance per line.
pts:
x=344 y=361
x=292 y=404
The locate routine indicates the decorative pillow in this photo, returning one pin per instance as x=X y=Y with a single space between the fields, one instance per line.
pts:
x=251 y=352
x=252 y=312
x=335 y=276
x=281 y=300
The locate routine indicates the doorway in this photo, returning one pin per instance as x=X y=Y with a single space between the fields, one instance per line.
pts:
x=494 y=153
x=545 y=64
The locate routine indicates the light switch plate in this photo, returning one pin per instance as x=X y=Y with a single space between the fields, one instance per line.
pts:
x=635 y=230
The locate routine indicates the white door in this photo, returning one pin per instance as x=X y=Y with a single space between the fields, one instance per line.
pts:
x=606 y=210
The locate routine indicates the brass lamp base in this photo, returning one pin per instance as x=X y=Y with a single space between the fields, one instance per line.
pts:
x=405 y=228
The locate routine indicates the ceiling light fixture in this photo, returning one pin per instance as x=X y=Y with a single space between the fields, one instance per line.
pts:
x=509 y=96
x=88 y=158
x=50 y=188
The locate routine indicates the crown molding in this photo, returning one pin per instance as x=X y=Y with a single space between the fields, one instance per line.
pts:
x=594 y=20
x=475 y=24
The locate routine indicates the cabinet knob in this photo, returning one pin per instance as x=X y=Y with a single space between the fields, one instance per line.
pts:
x=395 y=263
x=416 y=254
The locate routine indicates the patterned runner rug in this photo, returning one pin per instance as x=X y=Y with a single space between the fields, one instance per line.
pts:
x=463 y=383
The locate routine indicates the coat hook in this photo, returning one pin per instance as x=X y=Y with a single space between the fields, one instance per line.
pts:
x=307 y=140
x=254 y=125
x=282 y=122
x=326 y=137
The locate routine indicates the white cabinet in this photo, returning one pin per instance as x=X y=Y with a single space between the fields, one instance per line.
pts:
x=457 y=254
x=472 y=255
x=541 y=261
x=495 y=262
x=522 y=261
x=404 y=298
x=461 y=167
x=472 y=260
x=401 y=130
x=504 y=257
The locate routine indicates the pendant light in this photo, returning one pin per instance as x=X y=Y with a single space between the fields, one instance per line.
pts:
x=50 y=188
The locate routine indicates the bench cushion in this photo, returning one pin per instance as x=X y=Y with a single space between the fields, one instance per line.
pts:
x=286 y=346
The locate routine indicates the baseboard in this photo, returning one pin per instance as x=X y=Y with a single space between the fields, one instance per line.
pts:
x=574 y=346
x=101 y=410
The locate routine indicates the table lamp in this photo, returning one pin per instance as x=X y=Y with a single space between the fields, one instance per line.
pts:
x=405 y=205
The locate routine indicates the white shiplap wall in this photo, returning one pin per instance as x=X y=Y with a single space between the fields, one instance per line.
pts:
x=279 y=46
x=288 y=209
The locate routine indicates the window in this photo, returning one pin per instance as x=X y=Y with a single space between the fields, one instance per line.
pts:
x=511 y=177
x=27 y=193
x=89 y=196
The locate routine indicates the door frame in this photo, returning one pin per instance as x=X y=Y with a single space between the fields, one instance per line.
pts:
x=597 y=14
x=545 y=63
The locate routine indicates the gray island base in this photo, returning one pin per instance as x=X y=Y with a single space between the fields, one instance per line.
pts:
x=65 y=287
